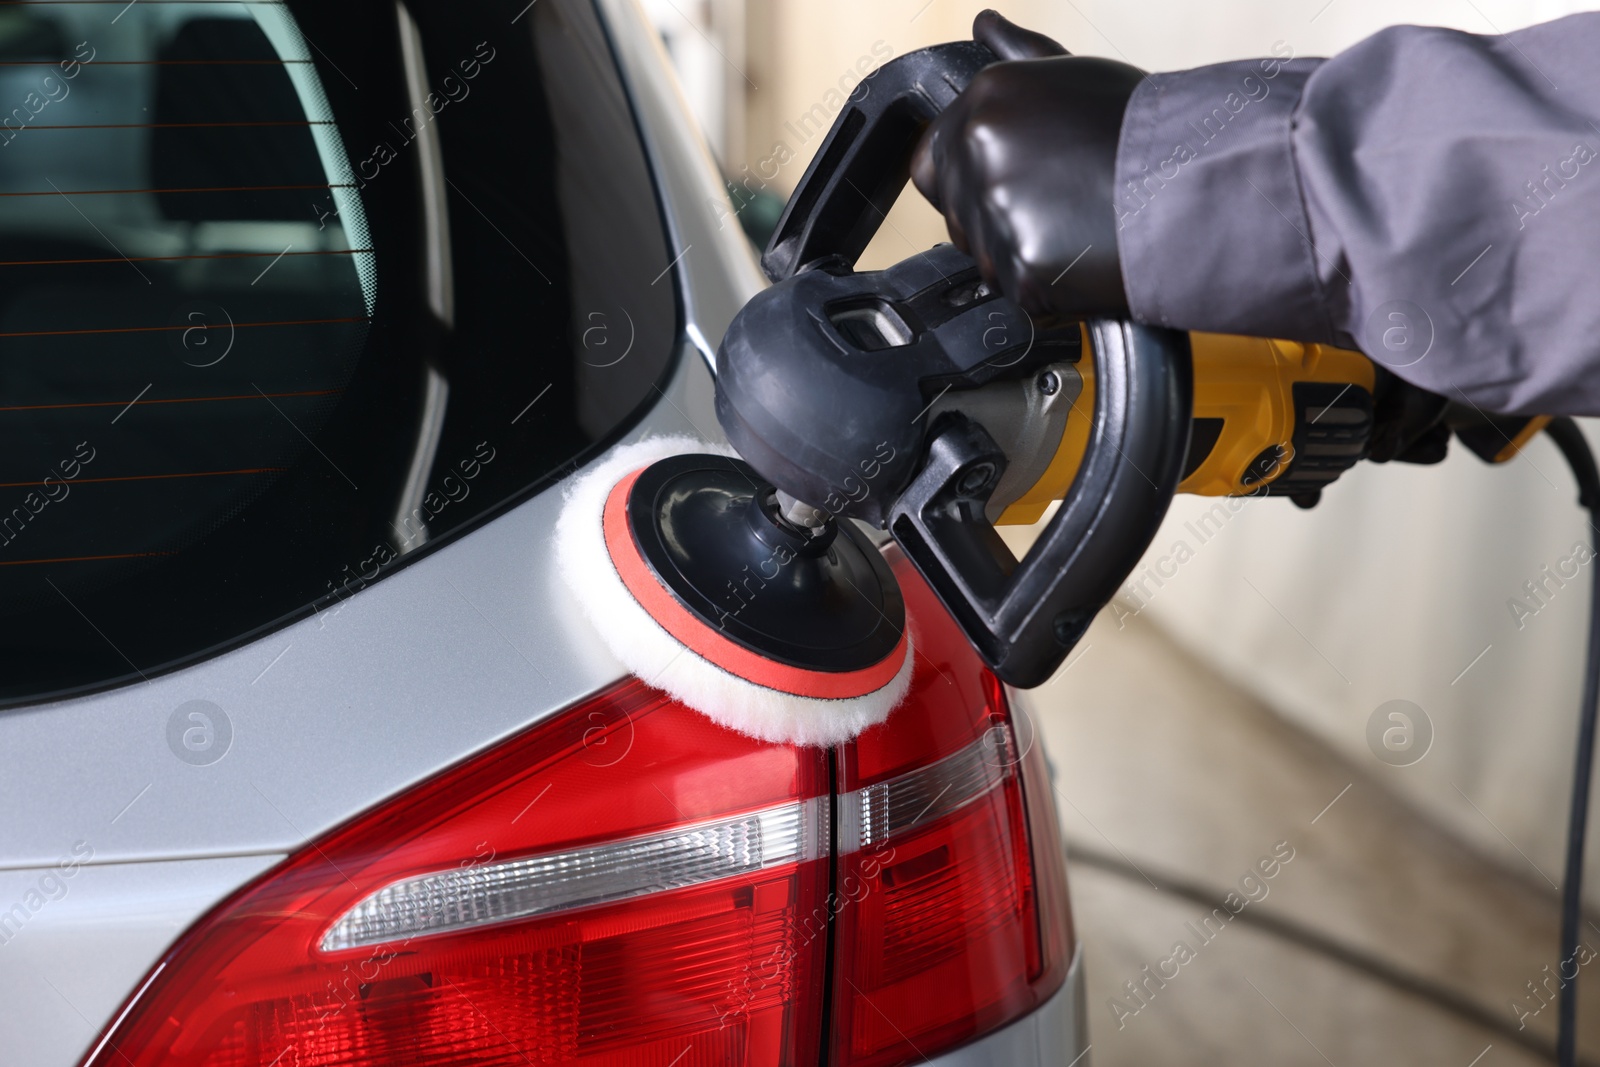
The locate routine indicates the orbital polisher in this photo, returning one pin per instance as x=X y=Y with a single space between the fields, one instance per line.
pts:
x=920 y=401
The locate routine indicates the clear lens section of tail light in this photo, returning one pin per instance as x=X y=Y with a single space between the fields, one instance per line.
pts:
x=951 y=908
x=468 y=898
x=625 y=884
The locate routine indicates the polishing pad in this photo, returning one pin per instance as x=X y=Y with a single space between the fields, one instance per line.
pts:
x=677 y=555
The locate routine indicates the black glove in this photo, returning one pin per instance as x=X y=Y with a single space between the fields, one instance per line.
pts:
x=1408 y=423
x=1022 y=165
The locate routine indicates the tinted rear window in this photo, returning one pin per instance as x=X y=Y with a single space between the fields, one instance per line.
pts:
x=289 y=291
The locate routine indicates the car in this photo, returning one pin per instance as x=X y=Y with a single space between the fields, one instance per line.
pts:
x=310 y=758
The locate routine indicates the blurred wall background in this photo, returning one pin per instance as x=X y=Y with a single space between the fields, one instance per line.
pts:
x=1402 y=583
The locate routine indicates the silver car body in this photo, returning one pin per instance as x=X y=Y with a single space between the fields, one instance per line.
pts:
x=332 y=714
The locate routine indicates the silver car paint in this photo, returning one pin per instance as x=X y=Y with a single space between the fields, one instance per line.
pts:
x=441 y=659
x=77 y=958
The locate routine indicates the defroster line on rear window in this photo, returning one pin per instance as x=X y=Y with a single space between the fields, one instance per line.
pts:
x=174 y=259
x=180 y=326
x=198 y=189
x=154 y=477
x=169 y=400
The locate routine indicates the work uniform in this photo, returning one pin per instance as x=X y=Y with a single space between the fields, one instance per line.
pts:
x=1429 y=196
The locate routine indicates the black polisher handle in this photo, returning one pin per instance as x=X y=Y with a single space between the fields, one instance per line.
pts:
x=1022 y=617
x=859 y=171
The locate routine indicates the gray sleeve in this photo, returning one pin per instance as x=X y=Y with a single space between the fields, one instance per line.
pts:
x=1428 y=196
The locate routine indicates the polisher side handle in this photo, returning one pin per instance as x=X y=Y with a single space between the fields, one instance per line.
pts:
x=860 y=169
x=1024 y=617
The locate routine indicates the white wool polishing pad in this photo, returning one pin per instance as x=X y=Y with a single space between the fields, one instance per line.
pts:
x=648 y=650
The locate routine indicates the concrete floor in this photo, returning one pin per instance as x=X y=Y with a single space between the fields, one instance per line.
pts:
x=1381 y=941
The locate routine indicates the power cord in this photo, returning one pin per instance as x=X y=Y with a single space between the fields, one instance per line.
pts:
x=1569 y=438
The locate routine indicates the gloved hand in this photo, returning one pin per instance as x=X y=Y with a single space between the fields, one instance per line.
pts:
x=1408 y=423
x=1021 y=165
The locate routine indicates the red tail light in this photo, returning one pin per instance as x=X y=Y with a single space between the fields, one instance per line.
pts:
x=610 y=888
x=955 y=921
x=630 y=884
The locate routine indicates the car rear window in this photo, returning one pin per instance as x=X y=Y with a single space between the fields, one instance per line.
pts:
x=290 y=292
